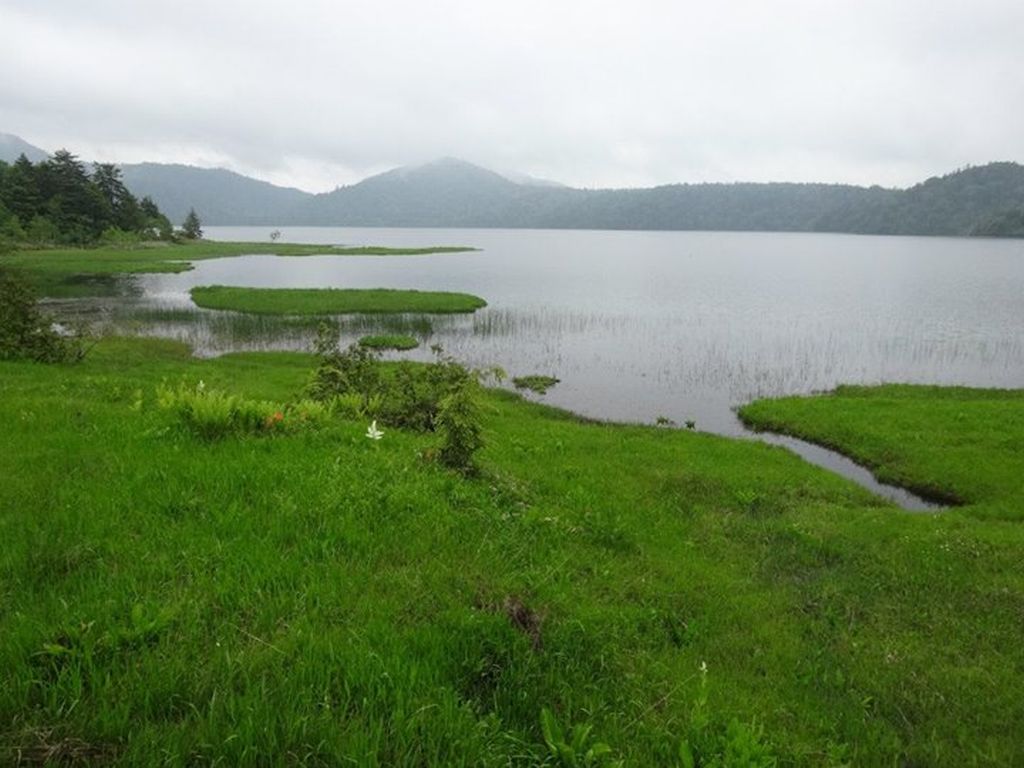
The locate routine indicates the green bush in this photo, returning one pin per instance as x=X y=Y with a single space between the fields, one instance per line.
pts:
x=415 y=392
x=354 y=370
x=410 y=397
x=119 y=237
x=459 y=426
x=441 y=396
x=28 y=334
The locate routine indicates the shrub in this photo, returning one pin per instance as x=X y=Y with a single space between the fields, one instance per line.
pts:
x=442 y=396
x=409 y=398
x=28 y=334
x=119 y=237
x=459 y=426
x=352 y=371
x=413 y=397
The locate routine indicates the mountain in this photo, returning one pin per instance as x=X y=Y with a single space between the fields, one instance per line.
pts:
x=453 y=193
x=219 y=196
x=980 y=200
x=12 y=146
x=444 y=193
x=530 y=181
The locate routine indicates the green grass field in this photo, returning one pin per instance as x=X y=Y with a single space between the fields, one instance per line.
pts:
x=956 y=444
x=69 y=272
x=319 y=598
x=333 y=301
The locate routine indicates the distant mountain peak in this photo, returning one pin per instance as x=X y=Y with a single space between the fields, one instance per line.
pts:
x=444 y=172
x=450 y=163
x=11 y=147
x=525 y=180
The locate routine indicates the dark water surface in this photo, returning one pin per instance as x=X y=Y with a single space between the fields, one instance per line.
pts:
x=685 y=325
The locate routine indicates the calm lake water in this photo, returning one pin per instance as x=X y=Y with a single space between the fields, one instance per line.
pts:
x=685 y=325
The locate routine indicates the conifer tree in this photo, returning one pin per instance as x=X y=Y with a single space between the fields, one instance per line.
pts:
x=192 y=227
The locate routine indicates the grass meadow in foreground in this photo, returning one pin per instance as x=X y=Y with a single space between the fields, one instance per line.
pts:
x=69 y=272
x=320 y=598
x=333 y=301
x=961 y=445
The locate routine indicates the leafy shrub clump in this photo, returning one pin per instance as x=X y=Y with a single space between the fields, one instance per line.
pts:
x=28 y=334
x=459 y=426
x=440 y=397
x=342 y=372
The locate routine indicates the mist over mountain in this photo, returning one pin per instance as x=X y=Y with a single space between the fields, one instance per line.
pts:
x=453 y=193
x=982 y=200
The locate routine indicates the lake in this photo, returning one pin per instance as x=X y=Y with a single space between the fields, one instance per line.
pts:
x=684 y=325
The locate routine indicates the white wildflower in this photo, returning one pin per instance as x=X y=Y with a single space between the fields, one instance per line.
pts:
x=373 y=433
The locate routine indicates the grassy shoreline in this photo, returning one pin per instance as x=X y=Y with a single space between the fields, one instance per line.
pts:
x=952 y=444
x=72 y=272
x=333 y=301
x=321 y=595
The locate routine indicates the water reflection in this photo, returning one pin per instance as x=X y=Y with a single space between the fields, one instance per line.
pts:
x=638 y=324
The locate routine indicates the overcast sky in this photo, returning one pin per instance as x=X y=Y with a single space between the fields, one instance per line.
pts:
x=314 y=93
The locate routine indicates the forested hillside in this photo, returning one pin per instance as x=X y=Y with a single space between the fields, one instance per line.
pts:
x=59 y=201
x=982 y=200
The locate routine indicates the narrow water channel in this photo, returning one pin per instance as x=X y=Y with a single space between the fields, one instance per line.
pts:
x=848 y=468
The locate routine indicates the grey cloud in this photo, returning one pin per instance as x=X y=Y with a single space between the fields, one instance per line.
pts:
x=318 y=93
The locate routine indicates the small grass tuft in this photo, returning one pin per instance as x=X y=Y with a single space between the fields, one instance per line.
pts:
x=536 y=383
x=389 y=341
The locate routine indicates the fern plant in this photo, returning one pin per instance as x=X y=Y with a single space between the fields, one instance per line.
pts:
x=574 y=749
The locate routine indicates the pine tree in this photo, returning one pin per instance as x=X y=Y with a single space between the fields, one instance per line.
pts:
x=192 y=227
x=76 y=205
x=123 y=205
x=24 y=197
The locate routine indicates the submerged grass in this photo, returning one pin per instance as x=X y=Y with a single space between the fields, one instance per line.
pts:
x=537 y=383
x=390 y=341
x=318 y=598
x=333 y=301
x=70 y=272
